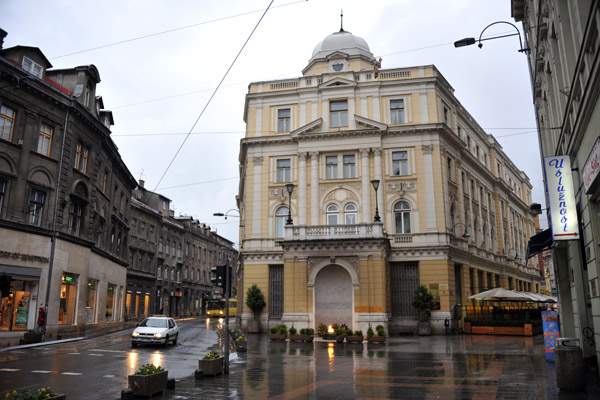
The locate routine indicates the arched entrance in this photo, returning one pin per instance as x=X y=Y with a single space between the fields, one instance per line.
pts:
x=333 y=296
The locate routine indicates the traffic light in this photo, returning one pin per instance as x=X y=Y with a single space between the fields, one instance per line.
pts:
x=219 y=278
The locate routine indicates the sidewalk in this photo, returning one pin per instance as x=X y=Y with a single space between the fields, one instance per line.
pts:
x=434 y=367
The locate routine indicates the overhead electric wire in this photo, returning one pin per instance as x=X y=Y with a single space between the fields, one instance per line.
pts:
x=213 y=95
x=170 y=30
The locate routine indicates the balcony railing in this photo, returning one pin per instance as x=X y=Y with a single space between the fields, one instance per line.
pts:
x=324 y=232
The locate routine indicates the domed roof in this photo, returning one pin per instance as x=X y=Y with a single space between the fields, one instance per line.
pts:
x=344 y=42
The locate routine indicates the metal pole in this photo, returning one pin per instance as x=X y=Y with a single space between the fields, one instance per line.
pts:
x=227 y=288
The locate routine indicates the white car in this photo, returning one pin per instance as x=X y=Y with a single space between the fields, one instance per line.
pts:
x=155 y=330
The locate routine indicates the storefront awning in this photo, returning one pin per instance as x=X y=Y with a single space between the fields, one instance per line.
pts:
x=539 y=243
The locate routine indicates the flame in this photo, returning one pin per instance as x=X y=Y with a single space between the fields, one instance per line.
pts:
x=330 y=329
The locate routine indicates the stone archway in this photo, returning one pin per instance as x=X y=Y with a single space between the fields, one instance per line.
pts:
x=333 y=296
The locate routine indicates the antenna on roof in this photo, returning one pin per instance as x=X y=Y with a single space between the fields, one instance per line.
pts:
x=342 y=21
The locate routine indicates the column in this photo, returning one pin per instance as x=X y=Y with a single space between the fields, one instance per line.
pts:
x=366 y=186
x=429 y=188
x=314 y=188
x=302 y=189
x=257 y=197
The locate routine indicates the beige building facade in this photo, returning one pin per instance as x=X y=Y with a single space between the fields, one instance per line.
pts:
x=340 y=249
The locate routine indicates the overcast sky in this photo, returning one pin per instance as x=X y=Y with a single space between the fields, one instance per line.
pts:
x=158 y=85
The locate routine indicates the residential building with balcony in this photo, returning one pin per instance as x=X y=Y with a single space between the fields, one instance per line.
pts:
x=337 y=250
x=64 y=199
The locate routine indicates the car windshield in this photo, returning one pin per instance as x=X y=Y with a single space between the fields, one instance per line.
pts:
x=154 y=323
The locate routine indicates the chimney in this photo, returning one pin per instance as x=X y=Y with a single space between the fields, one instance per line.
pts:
x=2 y=36
x=141 y=183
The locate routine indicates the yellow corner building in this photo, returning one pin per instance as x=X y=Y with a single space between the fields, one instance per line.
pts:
x=358 y=184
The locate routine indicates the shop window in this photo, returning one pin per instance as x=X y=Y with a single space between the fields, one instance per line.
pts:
x=146 y=304
x=68 y=298
x=110 y=301
x=90 y=307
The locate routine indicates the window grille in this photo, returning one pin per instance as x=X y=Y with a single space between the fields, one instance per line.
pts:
x=275 y=291
x=404 y=281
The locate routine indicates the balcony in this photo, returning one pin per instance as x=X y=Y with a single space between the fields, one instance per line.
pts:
x=334 y=232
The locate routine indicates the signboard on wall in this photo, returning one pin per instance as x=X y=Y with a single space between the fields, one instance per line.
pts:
x=563 y=214
x=591 y=169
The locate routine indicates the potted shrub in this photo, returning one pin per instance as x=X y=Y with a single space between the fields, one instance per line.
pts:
x=212 y=363
x=294 y=336
x=339 y=335
x=321 y=329
x=423 y=301
x=309 y=334
x=278 y=332
x=32 y=337
x=255 y=301
x=148 y=380
x=355 y=337
x=240 y=341
x=379 y=338
x=43 y=393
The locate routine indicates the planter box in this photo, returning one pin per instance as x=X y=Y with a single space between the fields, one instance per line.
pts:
x=278 y=336
x=297 y=338
x=376 y=339
x=241 y=345
x=424 y=328
x=32 y=337
x=309 y=338
x=527 y=330
x=339 y=339
x=212 y=367
x=482 y=330
x=467 y=327
x=148 y=385
x=354 y=339
x=509 y=330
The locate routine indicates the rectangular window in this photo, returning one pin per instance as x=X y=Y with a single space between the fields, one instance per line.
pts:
x=446 y=116
x=45 y=140
x=7 y=121
x=2 y=191
x=284 y=170
x=450 y=169
x=32 y=67
x=75 y=218
x=405 y=279
x=36 y=207
x=104 y=181
x=275 y=291
x=338 y=111
x=81 y=157
x=331 y=163
x=68 y=298
x=349 y=167
x=283 y=120
x=400 y=163
x=397 y=111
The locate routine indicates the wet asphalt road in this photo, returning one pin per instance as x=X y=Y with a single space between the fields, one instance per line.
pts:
x=97 y=368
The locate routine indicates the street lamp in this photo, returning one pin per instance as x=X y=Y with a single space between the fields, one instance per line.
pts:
x=220 y=214
x=465 y=234
x=469 y=41
x=375 y=183
x=290 y=190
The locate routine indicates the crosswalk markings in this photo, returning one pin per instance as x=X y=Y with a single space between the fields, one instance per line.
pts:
x=75 y=353
x=97 y=355
x=9 y=369
x=108 y=376
x=71 y=373
x=41 y=372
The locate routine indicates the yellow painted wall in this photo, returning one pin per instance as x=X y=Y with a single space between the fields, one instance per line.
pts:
x=371 y=296
x=259 y=275
x=437 y=272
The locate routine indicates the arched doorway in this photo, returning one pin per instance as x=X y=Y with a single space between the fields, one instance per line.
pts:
x=333 y=296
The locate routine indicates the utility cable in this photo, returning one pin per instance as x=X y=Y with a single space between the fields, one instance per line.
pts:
x=213 y=95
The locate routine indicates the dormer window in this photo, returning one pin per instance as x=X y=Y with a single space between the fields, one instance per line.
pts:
x=32 y=67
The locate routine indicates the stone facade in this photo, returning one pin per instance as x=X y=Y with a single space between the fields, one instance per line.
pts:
x=347 y=251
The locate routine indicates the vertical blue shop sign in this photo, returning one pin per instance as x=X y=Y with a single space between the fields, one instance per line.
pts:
x=563 y=213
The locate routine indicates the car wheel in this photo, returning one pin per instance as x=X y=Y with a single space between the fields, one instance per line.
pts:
x=133 y=344
x=175 y=340
x=166 y=341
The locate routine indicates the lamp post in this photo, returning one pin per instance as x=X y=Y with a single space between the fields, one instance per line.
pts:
x=375 y=183
x=465 y=234
x=220 y=214
x=227 y=289
x=469 y=41
x=290 y=190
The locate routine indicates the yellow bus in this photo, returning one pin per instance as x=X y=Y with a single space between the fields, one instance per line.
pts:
x=216 y=307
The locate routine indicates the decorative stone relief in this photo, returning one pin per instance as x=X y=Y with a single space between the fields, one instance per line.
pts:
x=427 y=148
x=401 y=186
x=257 y=160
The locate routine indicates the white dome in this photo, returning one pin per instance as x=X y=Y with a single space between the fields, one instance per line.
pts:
x=344 y=42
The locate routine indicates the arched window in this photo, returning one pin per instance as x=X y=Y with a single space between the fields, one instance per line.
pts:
x=158 y=273
x=332 y=214
x=402 y=217
x=280 y=217
x=173 y=274
x=166 y=274
x=350 y=214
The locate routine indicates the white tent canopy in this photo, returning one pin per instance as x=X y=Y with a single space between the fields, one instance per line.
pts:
x=501 y=294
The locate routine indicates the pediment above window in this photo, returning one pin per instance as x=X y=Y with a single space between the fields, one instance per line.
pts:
x=308 y=128
x=369 y=123
x=337 y=82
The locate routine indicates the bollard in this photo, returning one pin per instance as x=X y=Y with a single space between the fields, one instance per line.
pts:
x=171 y=383
x=199 y=374
x=570 y=370
x=127 y=394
